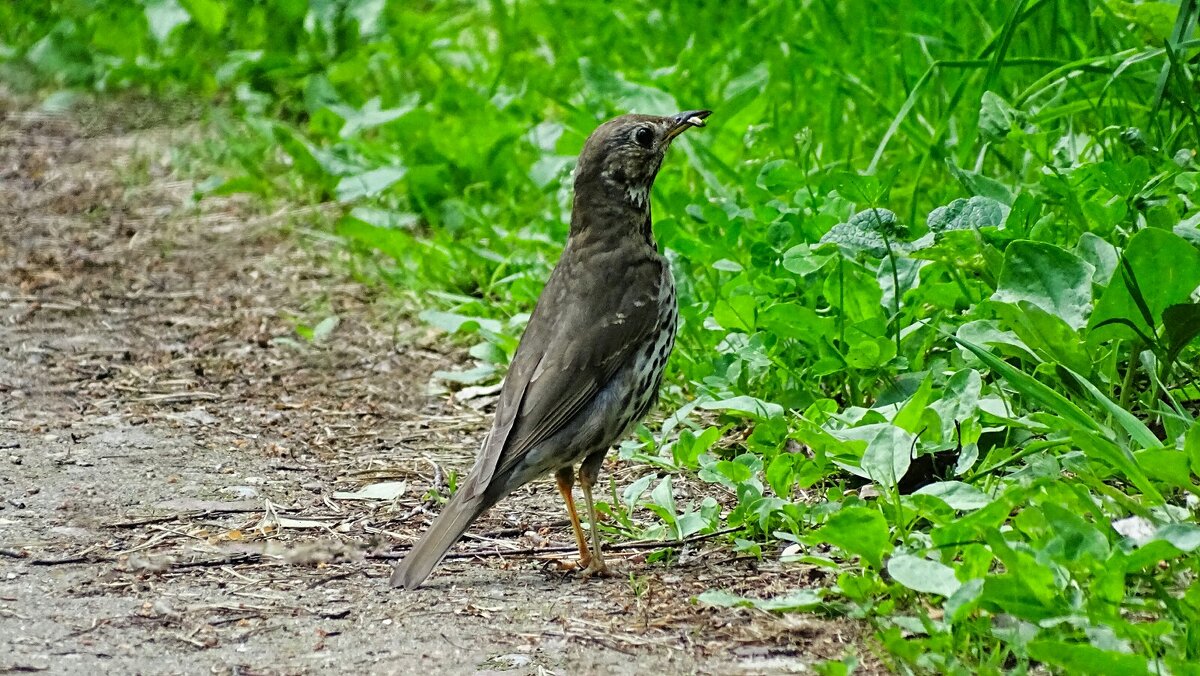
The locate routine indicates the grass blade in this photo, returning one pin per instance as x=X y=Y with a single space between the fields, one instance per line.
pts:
x=1036 y=391
x=1132 y=426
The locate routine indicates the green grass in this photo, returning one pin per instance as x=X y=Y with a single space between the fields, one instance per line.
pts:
x=945 y=249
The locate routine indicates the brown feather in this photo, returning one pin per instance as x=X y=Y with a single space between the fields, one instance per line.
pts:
x=456 y=517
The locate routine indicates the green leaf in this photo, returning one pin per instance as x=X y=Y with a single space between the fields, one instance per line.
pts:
x=956 y=494
x=389 y=241
x=883 y=221
x=1118 y=458
x=800 y=600
x=1013 y=593
x=1155 y=18
x=856 y=240
x=369 y=183
x=744 y=404
x=1129 y=422
x=909 y=417
x=871 y=231
x=964 y=601
x=723 y=599
x=687 y=449
x=1100 y=254
x=471 y=376
x=302 y=152
x=857 y=530
x=1074 y=538
x=664 y=497
x=726 y=472
x=1037 y=392
x=894 y=283
x=1184 y=536
x=959 y=401
x=1166 y=269
x=1166 y=465
x=1048 y=335
x=853 y=292
x=324 y=329
x=996 y=116
x=453 y=323
x=978 y=524
x=1081 y=658
x=800 y=260
x=208 y=14
x=779 y=175
x=736 y=313
x=164 y=16
x=1182 y=325
x=1054 y=279
x=779 y=475
x=968 y=214
x=888 y=455
x=1191 y=446
x=977 y=184
x=796 y=321
x=634 y=491
x=923 y=575
x=371 y=115
x=625 y=95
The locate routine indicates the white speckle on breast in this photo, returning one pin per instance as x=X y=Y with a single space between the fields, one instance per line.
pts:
x=638 y=194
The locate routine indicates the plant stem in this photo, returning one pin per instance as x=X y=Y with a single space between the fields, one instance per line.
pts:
x=1130 y=368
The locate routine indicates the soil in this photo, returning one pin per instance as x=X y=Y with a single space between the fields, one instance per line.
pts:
x=176 y=461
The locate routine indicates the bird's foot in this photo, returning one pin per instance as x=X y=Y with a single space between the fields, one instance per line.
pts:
x=572 y=565
x=595 y=568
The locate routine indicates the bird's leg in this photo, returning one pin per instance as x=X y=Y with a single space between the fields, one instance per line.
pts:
x=589 y=471
x=566 y=481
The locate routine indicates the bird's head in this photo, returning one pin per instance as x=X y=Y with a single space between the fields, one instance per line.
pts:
x=622 y=157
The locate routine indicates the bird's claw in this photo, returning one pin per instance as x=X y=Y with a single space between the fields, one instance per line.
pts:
x=572 y=565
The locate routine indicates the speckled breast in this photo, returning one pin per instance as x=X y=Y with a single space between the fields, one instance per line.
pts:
x=644 y=376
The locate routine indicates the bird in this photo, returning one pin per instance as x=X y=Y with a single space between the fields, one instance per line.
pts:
x=591 y=360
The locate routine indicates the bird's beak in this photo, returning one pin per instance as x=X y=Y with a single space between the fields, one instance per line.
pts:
x=686 y=120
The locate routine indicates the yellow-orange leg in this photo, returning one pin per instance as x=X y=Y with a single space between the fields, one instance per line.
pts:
x=587 y=478
x=566 y=481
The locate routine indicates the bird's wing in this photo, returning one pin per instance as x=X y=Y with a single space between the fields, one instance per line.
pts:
x=573 y=344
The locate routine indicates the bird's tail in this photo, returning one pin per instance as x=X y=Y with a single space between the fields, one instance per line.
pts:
x=455 y=518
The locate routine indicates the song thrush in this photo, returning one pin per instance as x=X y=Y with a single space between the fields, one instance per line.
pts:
x=591 y=361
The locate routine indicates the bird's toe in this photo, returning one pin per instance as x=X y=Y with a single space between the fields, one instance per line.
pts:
x=595 y=568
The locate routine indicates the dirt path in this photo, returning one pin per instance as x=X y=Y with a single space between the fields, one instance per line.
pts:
x=171 y=455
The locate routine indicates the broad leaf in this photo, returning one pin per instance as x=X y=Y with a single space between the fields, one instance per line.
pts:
x=369 y=183
x=968 y=214
x=1054 y=279
x=1081 y=658
x=1165 y=269
x=922 y=575
x=1182 y=325
x=857 y=530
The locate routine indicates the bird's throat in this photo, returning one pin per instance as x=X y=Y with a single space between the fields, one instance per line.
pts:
x=612 y=215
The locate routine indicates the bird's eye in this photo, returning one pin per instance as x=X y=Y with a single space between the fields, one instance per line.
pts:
x=644 y=137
